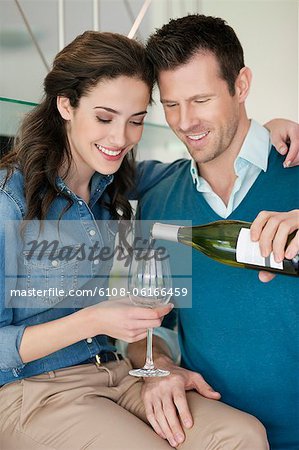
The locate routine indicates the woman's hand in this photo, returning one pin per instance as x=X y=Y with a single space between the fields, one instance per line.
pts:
x=284 y=136
x=122 y=320
x=272 y=230
x=116 y=318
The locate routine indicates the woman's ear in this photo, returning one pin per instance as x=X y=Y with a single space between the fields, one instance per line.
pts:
x=243 y=83
x=64 y=107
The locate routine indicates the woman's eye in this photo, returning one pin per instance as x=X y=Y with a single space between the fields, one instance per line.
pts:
x=103 y=120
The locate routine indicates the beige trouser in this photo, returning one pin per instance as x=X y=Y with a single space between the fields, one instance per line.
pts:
x=85 y=407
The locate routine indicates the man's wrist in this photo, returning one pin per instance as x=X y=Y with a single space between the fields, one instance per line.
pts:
x=161 y=353
x=164 y=361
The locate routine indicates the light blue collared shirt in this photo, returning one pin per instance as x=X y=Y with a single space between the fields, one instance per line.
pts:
x=252 y=159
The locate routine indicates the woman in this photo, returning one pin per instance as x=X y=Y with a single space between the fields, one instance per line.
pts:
x=65 y=168
x=63 y=385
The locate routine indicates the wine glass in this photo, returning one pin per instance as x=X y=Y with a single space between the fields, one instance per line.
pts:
x=149 y=285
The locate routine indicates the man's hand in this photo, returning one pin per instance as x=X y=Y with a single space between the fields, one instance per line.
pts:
x=272 y=230
x=165 y=400
x=284 y=136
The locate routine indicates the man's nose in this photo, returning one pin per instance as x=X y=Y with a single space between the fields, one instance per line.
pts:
x=187 y=120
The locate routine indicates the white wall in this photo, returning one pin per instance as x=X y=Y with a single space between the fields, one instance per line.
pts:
x=22 y=70
x=267 y=29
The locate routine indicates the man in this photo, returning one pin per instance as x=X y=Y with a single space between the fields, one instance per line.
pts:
x=240 y=336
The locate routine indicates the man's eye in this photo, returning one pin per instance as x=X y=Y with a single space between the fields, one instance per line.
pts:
x=103 y=120
x=138 y=124
x=170 y=105
x=202 y=101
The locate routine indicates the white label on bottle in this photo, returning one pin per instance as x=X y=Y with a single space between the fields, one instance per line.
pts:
x=248 y=252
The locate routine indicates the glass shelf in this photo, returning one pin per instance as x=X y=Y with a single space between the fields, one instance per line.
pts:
x=158 y=141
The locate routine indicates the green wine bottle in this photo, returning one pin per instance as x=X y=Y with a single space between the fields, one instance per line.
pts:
x=226 y=241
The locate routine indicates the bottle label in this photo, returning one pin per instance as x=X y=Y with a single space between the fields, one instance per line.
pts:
x=248 y=252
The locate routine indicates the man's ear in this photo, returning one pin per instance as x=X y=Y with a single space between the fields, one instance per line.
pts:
x=243 y=83
x=64 y=107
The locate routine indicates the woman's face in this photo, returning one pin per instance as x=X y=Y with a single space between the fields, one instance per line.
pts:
x=106 y=125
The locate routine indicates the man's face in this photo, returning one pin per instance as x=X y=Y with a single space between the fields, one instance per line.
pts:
x=199 y=108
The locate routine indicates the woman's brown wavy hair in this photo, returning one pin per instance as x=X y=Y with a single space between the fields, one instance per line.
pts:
x=41 y=146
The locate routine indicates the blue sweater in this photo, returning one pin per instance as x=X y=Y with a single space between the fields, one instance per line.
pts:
x=240 y=334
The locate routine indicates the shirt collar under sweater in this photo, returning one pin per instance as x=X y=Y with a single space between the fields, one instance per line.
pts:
x=252 y=158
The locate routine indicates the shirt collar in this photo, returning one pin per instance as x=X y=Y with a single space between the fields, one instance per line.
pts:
x=98 y=183
x=255 y=150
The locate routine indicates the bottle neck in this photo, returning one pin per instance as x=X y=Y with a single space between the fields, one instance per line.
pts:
x=165 y=231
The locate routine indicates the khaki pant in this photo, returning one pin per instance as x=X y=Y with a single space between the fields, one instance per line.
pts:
x=85 y=407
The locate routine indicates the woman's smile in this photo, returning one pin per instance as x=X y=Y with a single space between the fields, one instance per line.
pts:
x=109 y=153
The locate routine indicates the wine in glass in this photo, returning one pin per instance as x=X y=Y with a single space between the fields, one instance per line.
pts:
x=149 y=285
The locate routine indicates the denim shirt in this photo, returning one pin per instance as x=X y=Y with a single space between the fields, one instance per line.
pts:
x=93 y=224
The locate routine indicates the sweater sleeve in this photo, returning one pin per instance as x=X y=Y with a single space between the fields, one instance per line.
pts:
x=149 y=173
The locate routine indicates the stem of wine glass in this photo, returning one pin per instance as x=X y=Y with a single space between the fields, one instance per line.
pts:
x=149 y=363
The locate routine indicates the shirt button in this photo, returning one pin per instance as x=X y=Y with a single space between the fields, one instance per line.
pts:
x=80 y=202
x=89 y=340
x=96 y=261
x=55 y=263
x=92 y=232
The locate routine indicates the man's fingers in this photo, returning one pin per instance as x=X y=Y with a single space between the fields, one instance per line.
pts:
x=163 y=423
x=170 y=413
x=293 y=247
x=280 y=240
x=272 y=230
x=259 y=223
x=181 y=404
x=205 y=389
x=292 y=158
x=153 y=422
x=274 y=237
x=280 y=146
x=265 y=277
x=276 y=232
x=284 y=136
